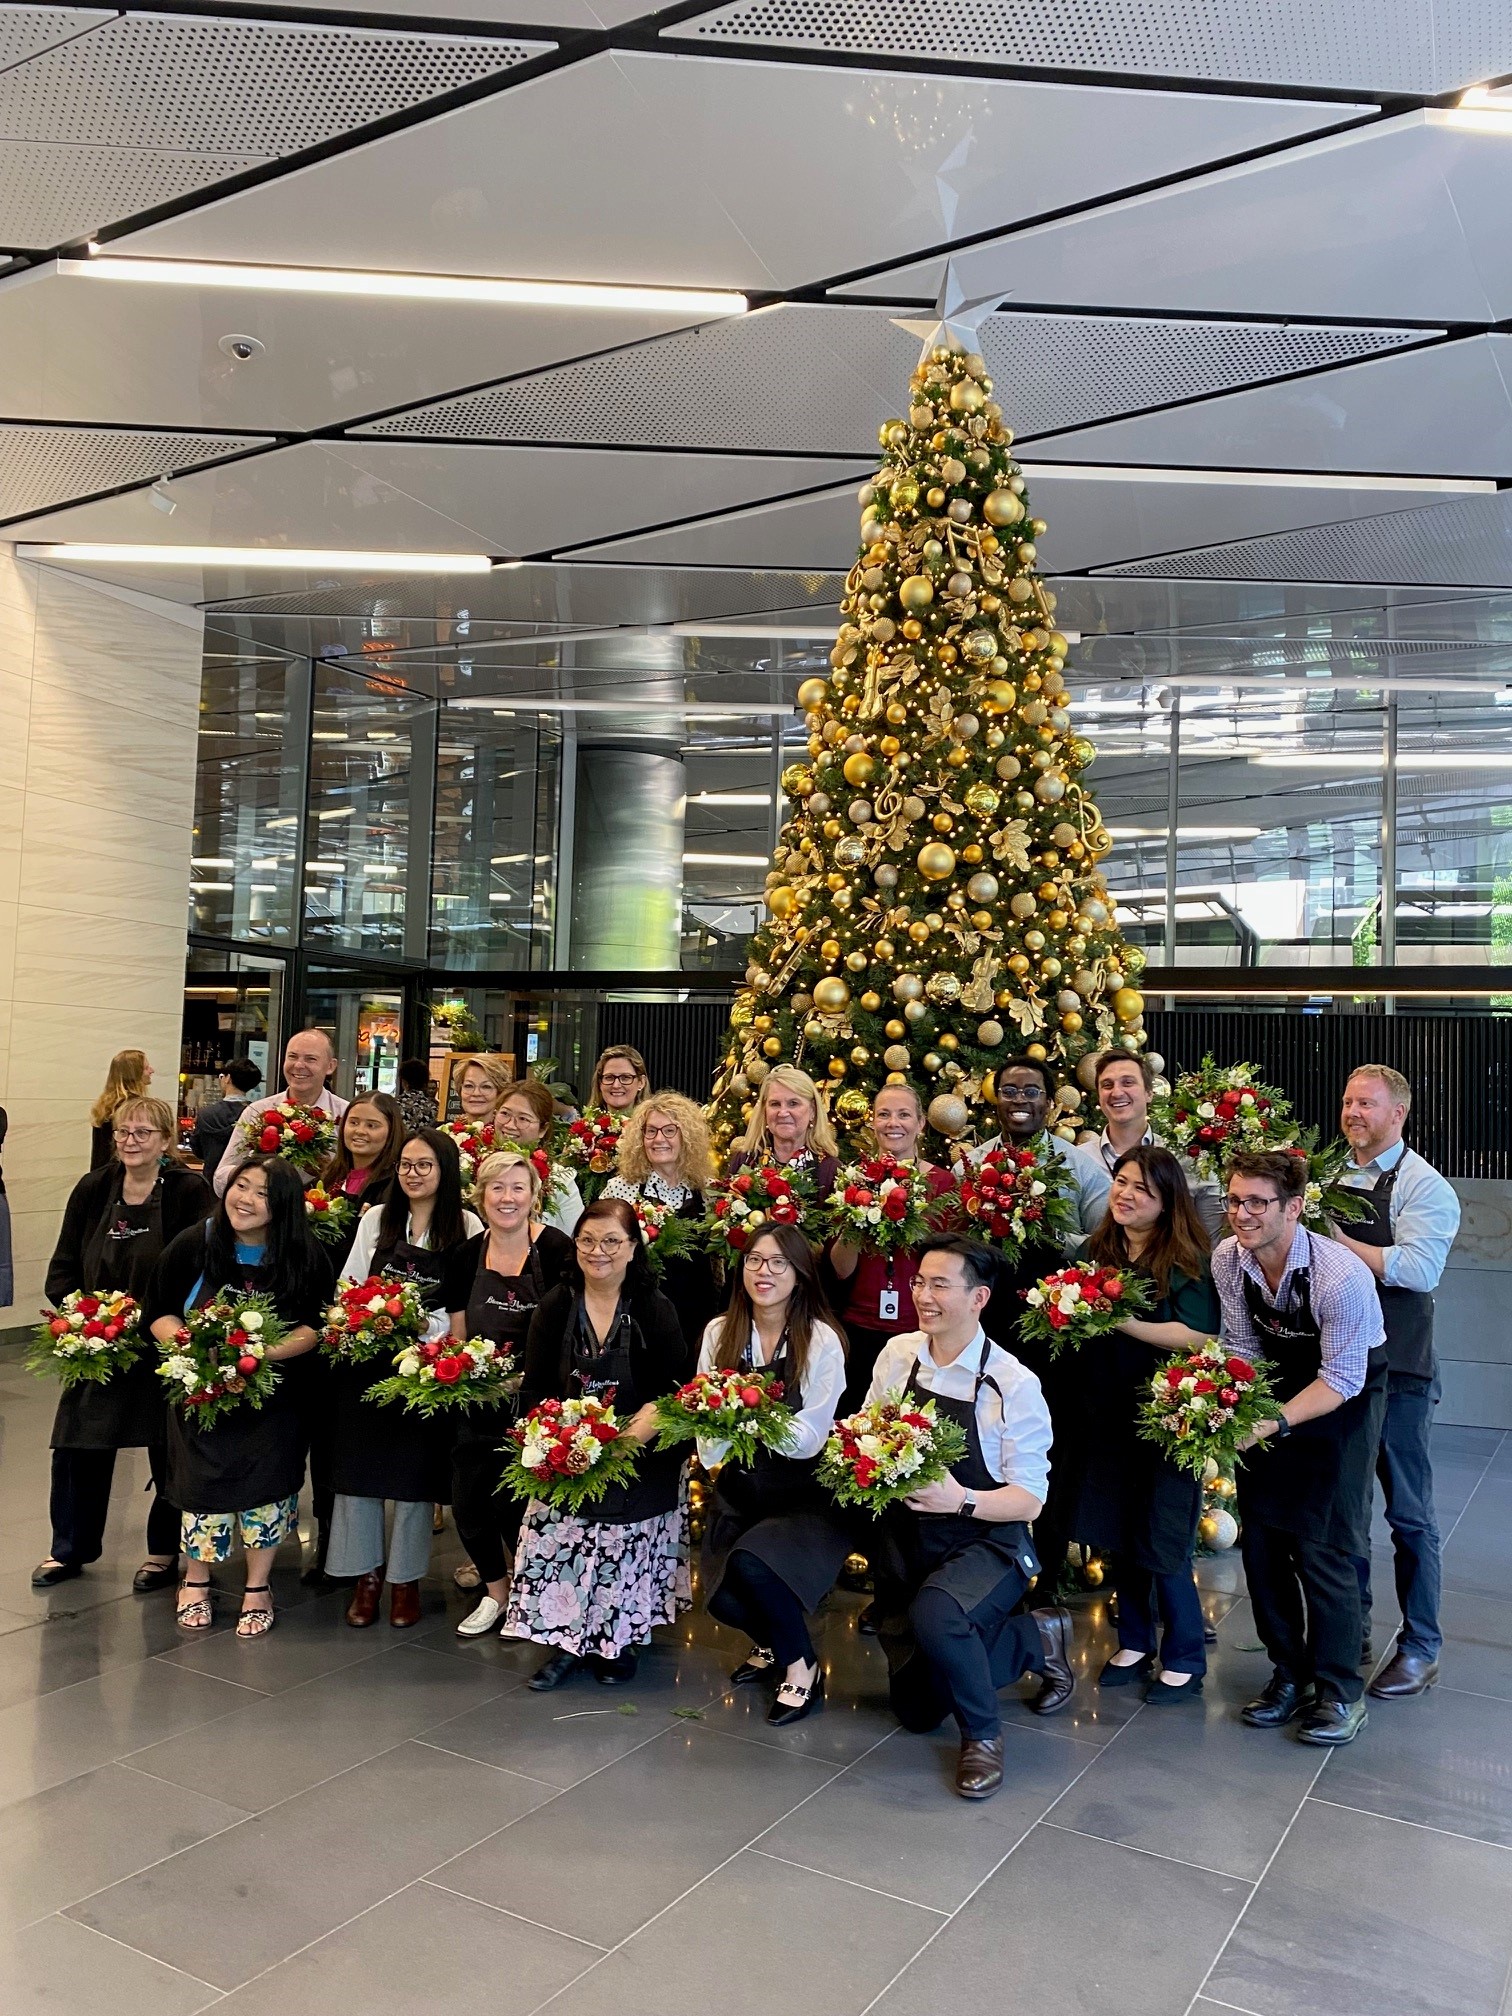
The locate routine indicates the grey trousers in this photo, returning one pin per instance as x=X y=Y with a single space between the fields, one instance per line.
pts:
x=357 y=1538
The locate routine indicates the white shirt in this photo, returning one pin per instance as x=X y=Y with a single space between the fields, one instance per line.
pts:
x=564 y=1206
x=360 y=1260
x=1013 y=1429
x=823 y=1384
x=239 y=1148
x=1424 y=1214
x=1090 y=1182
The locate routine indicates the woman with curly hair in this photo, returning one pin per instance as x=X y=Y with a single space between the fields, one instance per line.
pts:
x=666 y=1161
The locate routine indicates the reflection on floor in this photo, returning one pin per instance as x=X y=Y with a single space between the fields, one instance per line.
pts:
x=374 y=1824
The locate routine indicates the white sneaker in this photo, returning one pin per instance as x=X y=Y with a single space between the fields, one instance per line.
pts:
x=467 y=1577
x=482 y=1620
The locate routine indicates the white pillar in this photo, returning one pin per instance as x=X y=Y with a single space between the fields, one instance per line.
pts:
x=99 y=702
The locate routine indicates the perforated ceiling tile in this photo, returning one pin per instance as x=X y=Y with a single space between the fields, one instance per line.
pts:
x=1466 y=543
x=813 y=377
x=42 y=466
x=1382 y=45
x=27 y=31
x=264 y=87
x=52 y=195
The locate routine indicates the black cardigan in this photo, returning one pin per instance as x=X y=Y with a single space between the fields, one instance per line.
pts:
x=186 y=1200
x=659 y=1356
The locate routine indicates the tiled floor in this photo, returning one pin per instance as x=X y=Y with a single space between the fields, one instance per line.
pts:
x=377 y=1825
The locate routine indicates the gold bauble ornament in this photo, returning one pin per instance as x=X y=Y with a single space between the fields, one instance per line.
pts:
x=948 y=1115
x=860 y=1056
x=889 y=745
x=813 y=693
x=982 y=919
x=1128 y=1002
x=1001 y=507
x=915 y=1011
x=883 y=949
x=1022 y=905
x=897 y=713
x=971 y=853
x=982 y=799
x=1223 y=1487
x=782 y=901
x=916 y=592
x=896 y=1057
x=1008 y=767
x=869 y=1001
x=942 y=822
x=950 y=1041
x=989 y=1034
x=1000 y=695
x=828 y=951
x=908 y=987
x=857 y=961
x=1219 y=1530
x=984 y=887
x=1018 y=965
x=1050 y=788
x=905 y=495
x=1092 y=1573
x=832 y=995
x=1034 y=941
x=1058 y=920
x=966 y=396
x=932 y=1061
x=943 y=987
x=836 y=1067
x=860 y=768
x=1071 y=1022
x=918 y=932
x=894 y=1032
x=1035 y=1050
x=762 y=1024
x=852 y=1106
x=980 y=646
x=936 y=862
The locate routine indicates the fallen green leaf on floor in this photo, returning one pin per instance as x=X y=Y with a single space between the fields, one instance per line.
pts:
x=627 y=1708
x=688 y=1714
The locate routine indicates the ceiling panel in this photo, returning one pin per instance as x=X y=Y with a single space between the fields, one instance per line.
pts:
x=1443 y=411
x=73 y=347
x=27 y=31
x=1465 y=542
x=400 y=496
x=504 y=185
x=822 y=377
x=42 y=466
x=1402 y=220
x=56 y=195
x=1092 y=519
x=1122 y=605
x=1423 y=46
x=580 y=14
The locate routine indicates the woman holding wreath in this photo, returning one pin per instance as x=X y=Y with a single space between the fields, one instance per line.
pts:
x=666 y=1161
x=789 y=1131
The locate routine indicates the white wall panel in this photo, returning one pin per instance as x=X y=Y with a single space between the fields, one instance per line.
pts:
x=27 y=31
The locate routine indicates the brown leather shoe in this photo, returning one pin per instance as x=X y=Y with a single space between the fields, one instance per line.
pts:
x=980 y=1770
x=1408 y=1673
x=363 y=1608
x=1059 y=1683
x=404 y=1604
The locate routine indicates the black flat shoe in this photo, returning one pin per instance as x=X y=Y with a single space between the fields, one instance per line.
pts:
x=1331 y=1722
x=1125 y=1676
x=869 y=1623
x=1159 y=1695
x=1279 y=1701
x=48 y=1574
x=615 y=1672
x=559 y=1667
x=793 y=1702
x=758 y=1666
x=148 y=1579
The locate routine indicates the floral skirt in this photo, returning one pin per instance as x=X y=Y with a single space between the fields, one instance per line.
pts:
x=599 y=1589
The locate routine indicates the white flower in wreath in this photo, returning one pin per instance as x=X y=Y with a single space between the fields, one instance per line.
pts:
x=251 y=1319
x=1207 y=1110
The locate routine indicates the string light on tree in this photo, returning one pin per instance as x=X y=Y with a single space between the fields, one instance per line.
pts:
x=936 y=901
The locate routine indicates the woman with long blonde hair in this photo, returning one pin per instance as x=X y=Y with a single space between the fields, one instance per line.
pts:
x=790 y=1130
x=666 y=1161
x=129 y=1077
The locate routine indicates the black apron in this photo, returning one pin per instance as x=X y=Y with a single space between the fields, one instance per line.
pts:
x=388 y=1452
x=605 y=1371
x=776 y=1509
x=1406 y=1312
x=499 y=1307
x=130 y=1410
x=1315 y=1482
x=688 y=1282
x=251 y=1456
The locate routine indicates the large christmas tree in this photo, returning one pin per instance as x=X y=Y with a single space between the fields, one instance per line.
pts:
x=936 y=901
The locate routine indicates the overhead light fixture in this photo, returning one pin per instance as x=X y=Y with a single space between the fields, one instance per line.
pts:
x=407 y=286
x=1431 y=759
x=1479 y=110
x=1249 y=479
x=633 y=703
x=209 y=861
x=727 y=860
x=1184 y=832
x=100 y=552
x=731 y=798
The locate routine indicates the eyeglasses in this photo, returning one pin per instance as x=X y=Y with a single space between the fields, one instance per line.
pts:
x=669 y=1133
x=1253 y=1207
x=134 y=1134
x=762 y=1263
x=591 y=1246
x=620 y=1078
x=417 y=1168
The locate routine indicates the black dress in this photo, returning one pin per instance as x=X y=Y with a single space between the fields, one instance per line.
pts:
x=250 y=1456
x=1134 y=1502
x=107 y=1244
x=388 y=1452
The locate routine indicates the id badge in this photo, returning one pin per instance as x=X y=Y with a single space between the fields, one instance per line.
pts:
x=887 y=1305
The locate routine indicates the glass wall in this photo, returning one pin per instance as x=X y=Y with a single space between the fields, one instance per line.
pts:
x=249 y=797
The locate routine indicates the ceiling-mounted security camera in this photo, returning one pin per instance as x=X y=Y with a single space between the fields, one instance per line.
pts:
x=159 y=498
x=240 y=349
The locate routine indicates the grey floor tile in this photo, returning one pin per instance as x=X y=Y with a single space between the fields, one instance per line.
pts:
x=305 y=1644
x=1194 y=1783
x=59 y=1651
x=1478 y=1554
x=894 y=1822
x=1156 y=1931
x=1421 y=1925
x=1477 y=1643
x=600 y=1859
x=291 y=1741
x=58 y=1968
x=62 y=1844
x=838 y=1947
x=563 y=1736
x=845 y=1727
x=1426 y=1758
x=305 y=1868
x=63 y=1735
x=423 y=1952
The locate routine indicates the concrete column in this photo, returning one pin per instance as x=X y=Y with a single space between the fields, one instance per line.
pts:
x=99 y=703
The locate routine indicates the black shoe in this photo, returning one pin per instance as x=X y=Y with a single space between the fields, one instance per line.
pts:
x=1332 y=1722
x=869 y=1623
x=147 y=1578
x=1279 y=1701
x=1158 y=1695
x=315 y=1577
x=757 y=1667
x=615 y=1672
x=559 y=1667
x=793 y=1702
x=1059 y=1682
x=1125 y=1676
x=48 y=1574
x=1210 y=1634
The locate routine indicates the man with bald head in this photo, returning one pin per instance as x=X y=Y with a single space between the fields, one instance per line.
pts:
x=308 y=1062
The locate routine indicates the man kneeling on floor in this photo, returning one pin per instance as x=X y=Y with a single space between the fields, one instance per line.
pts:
x=956 y=1556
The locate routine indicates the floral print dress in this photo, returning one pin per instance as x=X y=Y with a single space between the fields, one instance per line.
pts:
x=595 y=1587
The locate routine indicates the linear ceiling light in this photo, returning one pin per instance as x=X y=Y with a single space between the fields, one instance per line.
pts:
x=1249 y=479
x=1433 y=759
x=97 y=552
x=1479 y=110
x=408 y=286
x=727 y=860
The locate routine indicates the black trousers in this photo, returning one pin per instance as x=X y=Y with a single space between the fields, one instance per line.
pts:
x=488 y=1521
x=79 y=1503
x=962 y=1657
x=753 y=1598
x=1306 y=1600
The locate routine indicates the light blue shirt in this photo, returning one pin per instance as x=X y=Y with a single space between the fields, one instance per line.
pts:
x=1090 y=1181
x=1424 y=1213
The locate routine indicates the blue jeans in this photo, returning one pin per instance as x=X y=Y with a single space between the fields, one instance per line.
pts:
x=1405 y=1469
x=1173 y=1598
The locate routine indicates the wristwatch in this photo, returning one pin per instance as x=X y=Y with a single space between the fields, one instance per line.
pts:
x=1282 y=1427
x=968 y=1506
